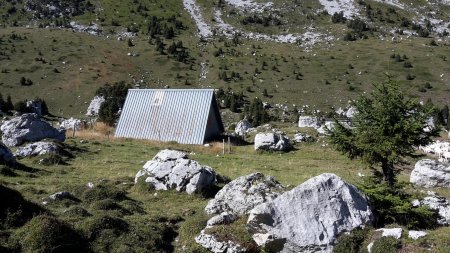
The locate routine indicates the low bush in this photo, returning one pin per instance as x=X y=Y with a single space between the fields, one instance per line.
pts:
x=47 y=234
x=103 y=191
x=351 y=243
x=14 y=209
x=387 y=244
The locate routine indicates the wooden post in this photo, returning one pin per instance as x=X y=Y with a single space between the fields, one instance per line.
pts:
x=229 y=145
x=223 y=146
x=74 y=130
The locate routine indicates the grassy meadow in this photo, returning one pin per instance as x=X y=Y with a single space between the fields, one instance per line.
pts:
x=175 y=218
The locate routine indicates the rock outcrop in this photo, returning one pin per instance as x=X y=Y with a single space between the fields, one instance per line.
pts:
x=29 y=128
x=308 y=121
x=234 y=200
x=242 y=127
x=309 y=217
x=300 y=137
x=71 y=124
x=6 y=156
x=37 y=148
x=172 y=169
x=272 y=142
x=244 y=193
x=94 y=106
x=35 y=106
x=436 y=202
x=430 y=173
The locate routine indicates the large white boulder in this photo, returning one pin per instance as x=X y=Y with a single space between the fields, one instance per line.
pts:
x=242 y=127
x=244 y=193
x=29 y=128
x=436 y=202
x=37 y=148
x=6 y=156
x=171 y=169
x=309 y=217
x=308 y=121
x=94 y=106
x=430 y=173
x=234 y=200
x=71 y=123
x=272 y=142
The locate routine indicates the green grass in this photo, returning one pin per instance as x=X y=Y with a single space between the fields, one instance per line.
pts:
x=111 y=166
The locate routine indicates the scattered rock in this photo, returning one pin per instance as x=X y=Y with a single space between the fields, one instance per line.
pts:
x=242 y=127
x=439 y=203
x=94 y=106
x=310 y=217
x=416 y=234
x=171 y=169
x=244 y=193
x=37 y=148
x=394 y=232
x=211 y=243
x=300 y=137
x=272 y=142
x=308 y=121
x=71 y=124
x=61 y=195
x=351 y=112
x=6 y=156
x=235 y=199
x=323 y=129
x=222 y=219
x=29 y=128
x=430 y=173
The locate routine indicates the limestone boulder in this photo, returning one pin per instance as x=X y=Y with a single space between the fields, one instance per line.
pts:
x=272 y=142
x=300 y=138
x=308 y=121
x=242 y=127
x=244 y=193
x=211 y=243
x=310 y=217
x=171 y=169
x=35 y=106
x=29 y=128
x=94 y=106
x=430 y=173
x=6 y=156
x=37 y=148
x=71 y=123
x=436 y=202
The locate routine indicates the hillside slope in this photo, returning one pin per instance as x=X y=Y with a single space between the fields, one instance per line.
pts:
x=301 y=52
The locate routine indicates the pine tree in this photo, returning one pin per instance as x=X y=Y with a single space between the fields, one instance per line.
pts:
x=386 y=129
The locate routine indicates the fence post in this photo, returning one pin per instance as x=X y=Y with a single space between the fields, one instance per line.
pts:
x=223 y=146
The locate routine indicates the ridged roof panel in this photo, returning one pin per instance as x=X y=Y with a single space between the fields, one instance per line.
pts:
x=177 y=115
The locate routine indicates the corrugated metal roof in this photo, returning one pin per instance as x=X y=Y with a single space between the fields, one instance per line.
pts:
x=177 y=115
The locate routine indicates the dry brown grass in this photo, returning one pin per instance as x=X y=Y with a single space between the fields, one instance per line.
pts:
x=100 y=131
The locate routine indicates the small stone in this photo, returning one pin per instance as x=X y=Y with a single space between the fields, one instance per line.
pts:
x=413 y=234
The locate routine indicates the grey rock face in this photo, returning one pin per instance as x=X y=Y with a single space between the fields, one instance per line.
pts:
x=29 y=128
x=300 y=137
x=309 y=217
x=430 y=173
x=308 y=121
x=244 y=193
x=272 y=142
x=71 y=123
x=211 y=243
x=94 y=106
x=242 y=127
x=6 y=156
x=235 y=199
x=37 y=148
x=439 y=203
x=171 y=169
